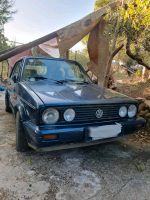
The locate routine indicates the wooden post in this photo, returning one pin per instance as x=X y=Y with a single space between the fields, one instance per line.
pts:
x=75 y=57
x=64 y=54
x=67 y=54
x=2 y=71
x=103 y=53
x=8 y=70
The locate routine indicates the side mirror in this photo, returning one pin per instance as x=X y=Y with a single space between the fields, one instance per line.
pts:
x=15 y=78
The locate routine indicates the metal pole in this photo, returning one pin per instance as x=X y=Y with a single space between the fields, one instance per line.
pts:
x=2 y=72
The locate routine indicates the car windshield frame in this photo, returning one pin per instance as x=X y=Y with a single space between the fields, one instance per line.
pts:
x=81 y=69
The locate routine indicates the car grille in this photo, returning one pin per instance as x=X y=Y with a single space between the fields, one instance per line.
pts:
x=88 y=113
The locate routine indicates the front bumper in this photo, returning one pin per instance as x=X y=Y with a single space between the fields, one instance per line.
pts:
x=74 y=135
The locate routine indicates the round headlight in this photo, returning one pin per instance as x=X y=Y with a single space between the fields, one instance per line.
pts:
x=50 y=116
x=132 y=111
x=123 y=111
x=69 y=115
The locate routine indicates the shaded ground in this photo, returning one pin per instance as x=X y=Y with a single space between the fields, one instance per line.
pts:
x=115 y=171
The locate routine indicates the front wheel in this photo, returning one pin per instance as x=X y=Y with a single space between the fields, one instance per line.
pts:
x=21 y=140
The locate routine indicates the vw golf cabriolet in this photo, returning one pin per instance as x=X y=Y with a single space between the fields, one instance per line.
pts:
x=57 y=106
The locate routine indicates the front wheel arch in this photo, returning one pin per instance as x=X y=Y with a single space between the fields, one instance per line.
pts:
x=20 y=108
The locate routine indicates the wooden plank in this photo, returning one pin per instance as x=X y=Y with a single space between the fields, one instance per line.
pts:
x=6 y=50
x=27 y=46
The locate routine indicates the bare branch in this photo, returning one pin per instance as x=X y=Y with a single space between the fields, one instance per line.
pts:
x=134 y=56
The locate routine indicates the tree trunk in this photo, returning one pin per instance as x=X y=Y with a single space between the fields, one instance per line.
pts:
x=109 y=64
x=103 y=54
x=114 y=51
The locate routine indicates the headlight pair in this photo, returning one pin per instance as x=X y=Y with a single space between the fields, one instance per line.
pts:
x=51 y=115
x=131 y=111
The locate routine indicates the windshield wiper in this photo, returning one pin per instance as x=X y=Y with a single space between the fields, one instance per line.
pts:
x=56 y=81
x=39 y=77
x=72 y=80
x=66 y=80
x=86 y=82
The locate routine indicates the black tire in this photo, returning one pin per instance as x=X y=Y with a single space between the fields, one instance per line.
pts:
x=21 y=140
x=7 y=105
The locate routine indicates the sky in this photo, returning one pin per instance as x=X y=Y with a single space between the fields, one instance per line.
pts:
x=36 y=18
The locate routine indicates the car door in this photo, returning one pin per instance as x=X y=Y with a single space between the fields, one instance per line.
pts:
x=13 y=83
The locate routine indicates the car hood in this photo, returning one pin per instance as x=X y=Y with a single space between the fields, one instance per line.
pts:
x=70 y=93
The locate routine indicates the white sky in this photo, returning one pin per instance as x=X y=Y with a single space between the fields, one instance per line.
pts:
x=36 y=18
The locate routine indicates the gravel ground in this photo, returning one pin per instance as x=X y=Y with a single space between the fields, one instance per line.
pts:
x=114 y=171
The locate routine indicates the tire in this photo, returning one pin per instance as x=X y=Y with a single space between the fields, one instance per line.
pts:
x=7 y=106
x=21 y=140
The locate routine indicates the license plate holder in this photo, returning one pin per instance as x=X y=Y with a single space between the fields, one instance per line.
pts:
x=106 y=131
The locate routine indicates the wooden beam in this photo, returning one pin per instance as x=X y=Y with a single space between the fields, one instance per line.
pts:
x=6 y=50
x=27 y=46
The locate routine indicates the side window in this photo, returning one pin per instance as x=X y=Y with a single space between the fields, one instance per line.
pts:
x=16 y=71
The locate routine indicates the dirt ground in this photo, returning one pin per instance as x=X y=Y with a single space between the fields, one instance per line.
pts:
x=114 y=171
x=134 y=88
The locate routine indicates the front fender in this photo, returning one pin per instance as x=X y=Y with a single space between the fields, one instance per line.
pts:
x=27 y=113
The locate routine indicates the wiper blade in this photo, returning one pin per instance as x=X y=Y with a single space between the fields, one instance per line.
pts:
x=87 y=82
x=56 y=81
x=39 y=77
x=72 y=80
x=67 y=80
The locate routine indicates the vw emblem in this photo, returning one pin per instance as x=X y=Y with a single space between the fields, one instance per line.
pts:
x=99 y=113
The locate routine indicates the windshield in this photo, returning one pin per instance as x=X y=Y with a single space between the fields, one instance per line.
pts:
x=56 y=70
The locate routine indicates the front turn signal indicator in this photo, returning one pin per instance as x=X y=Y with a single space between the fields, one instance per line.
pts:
x=50 y=137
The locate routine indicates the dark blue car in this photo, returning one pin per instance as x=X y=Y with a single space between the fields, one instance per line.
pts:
x=57 y=106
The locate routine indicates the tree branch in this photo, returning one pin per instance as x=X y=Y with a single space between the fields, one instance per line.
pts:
x=135 y=57
x=116 y=51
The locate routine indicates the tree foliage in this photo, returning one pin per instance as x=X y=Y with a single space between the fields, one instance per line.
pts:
x=6 y=13
x=101 y=3
x=136 y=28
x=131 y=23
x=80 y=56
x=137 y=13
